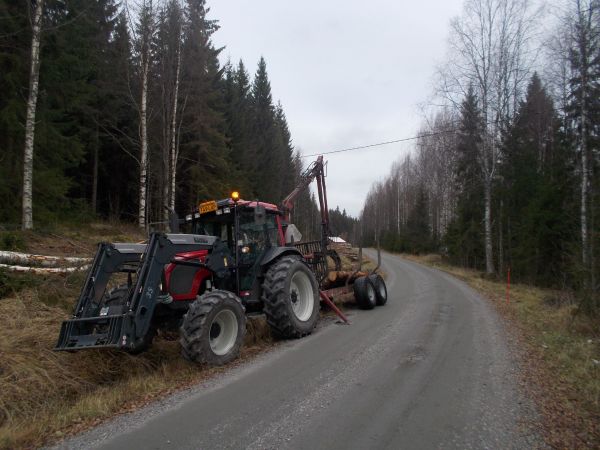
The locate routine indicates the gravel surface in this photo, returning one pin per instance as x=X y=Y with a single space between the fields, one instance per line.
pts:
x=431 y=369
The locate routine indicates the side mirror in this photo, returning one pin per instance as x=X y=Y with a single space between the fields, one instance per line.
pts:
x=260 y=215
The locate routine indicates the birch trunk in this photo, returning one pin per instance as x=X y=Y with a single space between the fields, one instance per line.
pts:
x=144 y=137
x=34 y=74
x=489 y=256
x=173 y=144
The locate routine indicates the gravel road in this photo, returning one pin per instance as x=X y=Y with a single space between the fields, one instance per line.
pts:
x=431 y=369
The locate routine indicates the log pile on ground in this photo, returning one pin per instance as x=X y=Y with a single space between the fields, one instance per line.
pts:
x=41 y=264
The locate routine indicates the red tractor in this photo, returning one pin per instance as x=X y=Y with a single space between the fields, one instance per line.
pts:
x=236 y=257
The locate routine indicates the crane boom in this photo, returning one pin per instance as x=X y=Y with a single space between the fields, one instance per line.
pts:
x=315 y=171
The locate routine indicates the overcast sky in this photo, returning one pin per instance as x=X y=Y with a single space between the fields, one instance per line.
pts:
x=348 y=73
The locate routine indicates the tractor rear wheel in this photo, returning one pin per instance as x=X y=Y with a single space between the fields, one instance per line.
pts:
x=380 y=289
x=213 y=328
x=118 y=297
x=291 y=298
x=364 y=293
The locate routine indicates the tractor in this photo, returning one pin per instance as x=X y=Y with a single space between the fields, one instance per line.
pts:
x=234 y=257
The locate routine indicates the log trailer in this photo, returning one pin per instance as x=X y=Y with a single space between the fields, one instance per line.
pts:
x=236 y=257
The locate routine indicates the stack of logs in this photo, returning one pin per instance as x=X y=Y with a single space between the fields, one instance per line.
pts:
x=338 y=278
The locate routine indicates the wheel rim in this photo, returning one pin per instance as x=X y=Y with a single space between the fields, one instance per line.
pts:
x=302 y=296
x=223 y=332
x=370 y=293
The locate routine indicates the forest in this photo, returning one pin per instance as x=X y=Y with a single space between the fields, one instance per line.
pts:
x=503 y=174
x=122 y=111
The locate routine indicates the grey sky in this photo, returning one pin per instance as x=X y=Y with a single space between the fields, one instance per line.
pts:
x=348 y=73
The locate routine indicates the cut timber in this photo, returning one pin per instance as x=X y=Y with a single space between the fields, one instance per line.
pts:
x=43 y=270
x=16 y=258
x=340 y=277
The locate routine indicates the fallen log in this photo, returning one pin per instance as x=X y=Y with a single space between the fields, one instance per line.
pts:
x=27 y=259
x=43 y=270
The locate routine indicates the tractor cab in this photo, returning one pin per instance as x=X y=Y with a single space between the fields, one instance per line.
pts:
x=252 y=231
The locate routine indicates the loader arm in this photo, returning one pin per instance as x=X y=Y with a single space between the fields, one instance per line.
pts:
x=92 y=327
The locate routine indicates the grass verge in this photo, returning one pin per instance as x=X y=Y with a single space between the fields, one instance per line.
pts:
x=44 y=395
x=559 y=354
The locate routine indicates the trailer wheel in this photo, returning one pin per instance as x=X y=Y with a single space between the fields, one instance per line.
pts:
x=118 y=297
x=380 y=289
x=291 y=298
x=364 y=293
x=213 y=328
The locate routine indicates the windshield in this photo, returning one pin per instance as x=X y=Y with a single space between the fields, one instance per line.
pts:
x=219 y=226
x=264 y=235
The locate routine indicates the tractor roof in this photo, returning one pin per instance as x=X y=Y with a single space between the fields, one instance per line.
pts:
x=248 y=203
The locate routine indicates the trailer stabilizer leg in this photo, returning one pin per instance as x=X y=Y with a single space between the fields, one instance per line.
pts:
x=335 y=309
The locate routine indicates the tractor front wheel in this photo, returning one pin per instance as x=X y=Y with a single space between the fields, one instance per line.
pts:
x=291 y=298
x=213 y=328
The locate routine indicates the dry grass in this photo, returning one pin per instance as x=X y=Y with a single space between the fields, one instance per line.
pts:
x=560 y=355
x=44 y=394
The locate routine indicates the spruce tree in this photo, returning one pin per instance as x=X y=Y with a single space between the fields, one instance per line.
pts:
x=465 y=234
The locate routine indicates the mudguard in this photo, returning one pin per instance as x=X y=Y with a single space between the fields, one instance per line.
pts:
x=274 y=253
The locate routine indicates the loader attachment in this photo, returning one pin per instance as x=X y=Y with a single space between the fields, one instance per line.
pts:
x=95 y=325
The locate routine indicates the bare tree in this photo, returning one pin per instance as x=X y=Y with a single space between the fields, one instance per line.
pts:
x=144 y=36
x=489 y=50
x=170 y=56
x=34 y=75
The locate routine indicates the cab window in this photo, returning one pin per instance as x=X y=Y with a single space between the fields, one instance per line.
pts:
x=262 y=235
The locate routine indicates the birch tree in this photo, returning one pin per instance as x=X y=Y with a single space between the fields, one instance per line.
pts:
x=169 y=75
x=584 y=54
x=145 y=35
x=489 y=51
x=34 y=75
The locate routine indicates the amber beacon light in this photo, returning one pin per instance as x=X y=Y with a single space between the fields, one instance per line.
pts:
x=235 y=196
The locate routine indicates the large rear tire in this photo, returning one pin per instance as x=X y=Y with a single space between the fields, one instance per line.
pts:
x=364 y=293
x=291 y=298
x=213 y=329
x=380 y=289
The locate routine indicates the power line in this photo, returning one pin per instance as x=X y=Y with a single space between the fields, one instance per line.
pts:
x=378 y=144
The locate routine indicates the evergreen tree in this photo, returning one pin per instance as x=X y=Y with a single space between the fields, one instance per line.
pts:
x=265 y=140
x=465 y=235
x=14 y=58
x=205 y=158
x=537 y=196
x=239 y=119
